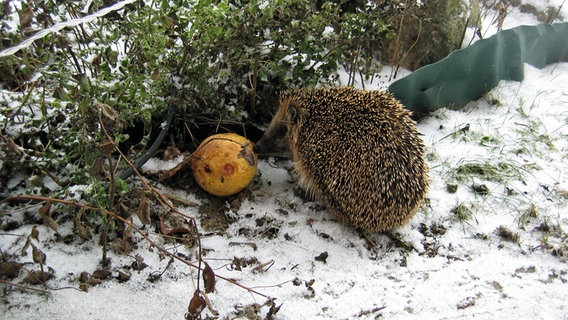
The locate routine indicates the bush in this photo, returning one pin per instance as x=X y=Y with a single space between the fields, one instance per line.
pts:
x=221 y=63
x=241 y=53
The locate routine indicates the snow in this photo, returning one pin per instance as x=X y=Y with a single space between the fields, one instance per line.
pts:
x=440 y=267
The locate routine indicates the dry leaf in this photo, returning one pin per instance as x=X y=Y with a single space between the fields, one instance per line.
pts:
x=143 y=211
x=84 y=277
x=122 y=276
x=106 y=147
x=45 y=213
x=24 y=251
x=13 y=147
x=208 y=278
x=247 y=154
x=37 y=277
x=322 y=257
x=97 y=169
x=108 y=112
x=38 y=255
x=82 y=230
x=44 y=210
x=167 y=230
x=122 y=245
x=196 y=305
x=10 y=269
x=84 y=287
x=34 y=233
x=125 y=243
x=101 y=274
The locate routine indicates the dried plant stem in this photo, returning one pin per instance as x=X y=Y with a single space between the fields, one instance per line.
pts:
x=131 y=225
x=19 y=286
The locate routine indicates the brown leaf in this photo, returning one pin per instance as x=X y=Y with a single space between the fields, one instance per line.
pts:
x=13 y=147
x=108 y=112
x=10 y=269
x=196 y=305
x=167 y=230
x=34 y=233
x=44 y=210
x=247 y=153
x=101 y=274
x=37 y=277
x=164 y=228
x=123 y=276
x=106 y=147
x=45 y=213
x=24 y=251
x=208 y=278
x=97 y=169
x=143 y=211
x=82 y=230
x=38 y=255
x=322 y=257
x=123 y=245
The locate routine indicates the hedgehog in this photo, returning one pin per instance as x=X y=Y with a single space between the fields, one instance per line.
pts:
x=358 y=151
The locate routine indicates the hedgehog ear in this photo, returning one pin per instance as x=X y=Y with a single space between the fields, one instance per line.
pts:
x=293 y=112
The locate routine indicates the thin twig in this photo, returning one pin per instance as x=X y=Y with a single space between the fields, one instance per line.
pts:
x=131 y=225
x=19 y=286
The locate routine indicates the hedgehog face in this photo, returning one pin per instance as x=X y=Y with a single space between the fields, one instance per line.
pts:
x=276 y=138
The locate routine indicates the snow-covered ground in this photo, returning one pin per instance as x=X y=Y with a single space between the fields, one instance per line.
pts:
x=498 y=253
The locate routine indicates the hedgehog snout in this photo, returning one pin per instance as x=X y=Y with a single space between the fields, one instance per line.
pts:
x=275 y=141
x=269 y=147
x=263 y=147
x=257 y=148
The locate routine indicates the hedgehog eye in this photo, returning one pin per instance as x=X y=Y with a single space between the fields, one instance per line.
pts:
x=293 y=113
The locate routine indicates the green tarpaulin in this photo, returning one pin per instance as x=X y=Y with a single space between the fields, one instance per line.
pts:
x=467 y=74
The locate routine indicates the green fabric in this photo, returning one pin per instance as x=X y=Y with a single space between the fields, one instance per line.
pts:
x=468 y=73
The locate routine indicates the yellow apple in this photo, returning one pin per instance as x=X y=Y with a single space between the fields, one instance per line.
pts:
x=224 y=164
